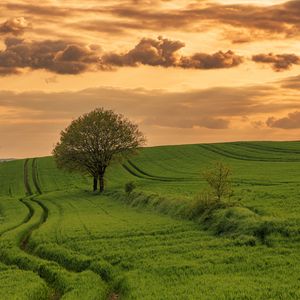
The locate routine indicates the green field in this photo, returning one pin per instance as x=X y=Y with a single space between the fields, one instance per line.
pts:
x=58 y=240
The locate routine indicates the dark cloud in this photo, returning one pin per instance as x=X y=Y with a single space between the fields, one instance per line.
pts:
x=56 y=56
x=153 y=52
x=279 y=62
x=291 y=121
x=164 y=52
x=211 y=61
x=63 y=57
x=15 y=26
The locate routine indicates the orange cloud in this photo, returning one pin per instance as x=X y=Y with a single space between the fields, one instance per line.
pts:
x=273 y=19
x=31 y=122
x=260 y=21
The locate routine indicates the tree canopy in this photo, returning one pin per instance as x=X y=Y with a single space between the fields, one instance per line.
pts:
x=91 y=142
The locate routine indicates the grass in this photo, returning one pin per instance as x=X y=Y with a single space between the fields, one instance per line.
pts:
x=13 y=281
x=155 y=243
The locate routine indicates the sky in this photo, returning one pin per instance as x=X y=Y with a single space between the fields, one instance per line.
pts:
x=185 y=71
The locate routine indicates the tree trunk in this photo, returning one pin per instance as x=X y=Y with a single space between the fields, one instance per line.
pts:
x=101 y=182
x=95 y=186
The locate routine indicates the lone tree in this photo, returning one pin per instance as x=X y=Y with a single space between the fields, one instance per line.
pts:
x=91 y=142
x=218 y=178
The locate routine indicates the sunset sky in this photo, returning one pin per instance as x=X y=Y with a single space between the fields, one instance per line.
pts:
x=185 y=71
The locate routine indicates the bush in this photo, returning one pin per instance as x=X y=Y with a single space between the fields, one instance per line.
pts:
x=129 y=187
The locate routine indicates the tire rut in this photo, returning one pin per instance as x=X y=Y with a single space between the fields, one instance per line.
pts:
x=35 y=177
x=136 y=171
x=232 y=155
x=21 y=242
x=27 y=186
x=56 y=295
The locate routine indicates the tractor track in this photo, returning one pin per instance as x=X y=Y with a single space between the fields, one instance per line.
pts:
x=269 y=149
x=23 y=242
x=28 y=190
x=228 y=154
x=35 y=177
x=134 y=170
x=55 y=295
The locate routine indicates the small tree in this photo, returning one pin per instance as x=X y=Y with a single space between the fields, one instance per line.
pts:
x=218 y=179
x=91 y=142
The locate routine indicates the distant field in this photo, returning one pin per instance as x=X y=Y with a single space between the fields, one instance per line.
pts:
x=60 y=241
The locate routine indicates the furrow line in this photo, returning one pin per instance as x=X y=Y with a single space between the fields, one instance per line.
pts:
x=35 y=176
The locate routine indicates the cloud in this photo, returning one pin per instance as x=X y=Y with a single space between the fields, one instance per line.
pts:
x=282 y=18
x=153 y=52
x=291 y=83
x=254 y=21
x=64 y=57
x=56 y=56
x=211 y=61
x=279 y=62
x=212 y=114
x=164 y=52
x=209 y=108
x=6 y=71
x=42 y=10
x=291 y=121
x=276 y=19
x=15 y=26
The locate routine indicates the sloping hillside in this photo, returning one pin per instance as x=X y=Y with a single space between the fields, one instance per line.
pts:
x=73 y=244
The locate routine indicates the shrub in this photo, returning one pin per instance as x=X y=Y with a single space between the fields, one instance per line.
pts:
x=129 y=187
